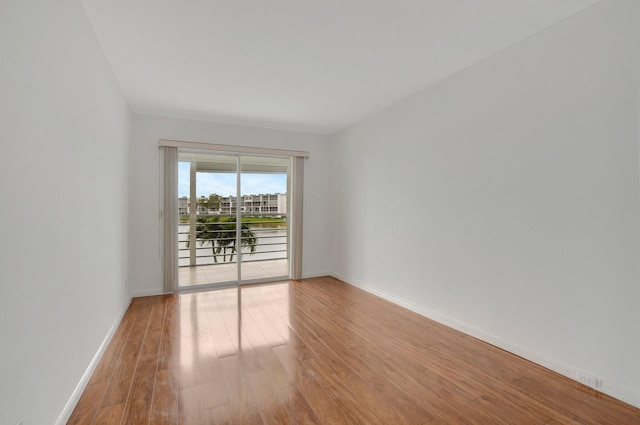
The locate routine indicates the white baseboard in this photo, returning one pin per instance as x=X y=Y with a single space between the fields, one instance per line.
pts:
x=315 y=274
x=84 y=381
x=611 y=389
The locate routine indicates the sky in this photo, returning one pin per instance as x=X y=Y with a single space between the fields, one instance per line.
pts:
x=224 y=184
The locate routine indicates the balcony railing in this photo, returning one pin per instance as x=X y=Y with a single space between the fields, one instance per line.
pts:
x=215 y=242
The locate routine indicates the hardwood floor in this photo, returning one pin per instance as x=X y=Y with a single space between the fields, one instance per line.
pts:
x=318 y=351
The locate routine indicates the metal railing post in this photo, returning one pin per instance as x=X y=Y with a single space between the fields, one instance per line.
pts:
x=193 y=205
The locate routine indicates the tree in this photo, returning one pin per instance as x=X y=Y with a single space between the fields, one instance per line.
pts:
x=220 y=234
x=210 y=203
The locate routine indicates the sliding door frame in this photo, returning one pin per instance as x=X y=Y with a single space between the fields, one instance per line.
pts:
x=294 y=207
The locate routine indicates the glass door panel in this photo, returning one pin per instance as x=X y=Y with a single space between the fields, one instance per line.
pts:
x=207 y=204
x=213 y=250
x=264 y=207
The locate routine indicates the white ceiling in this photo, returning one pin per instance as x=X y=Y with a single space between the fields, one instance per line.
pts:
x=306 y=65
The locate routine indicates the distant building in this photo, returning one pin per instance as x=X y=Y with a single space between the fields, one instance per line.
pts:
x=183 y=205
x=271 y=203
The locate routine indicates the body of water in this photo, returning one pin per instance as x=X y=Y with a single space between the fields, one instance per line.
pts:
x=276 y=238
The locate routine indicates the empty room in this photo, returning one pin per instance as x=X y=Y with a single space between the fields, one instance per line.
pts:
x=320 y=212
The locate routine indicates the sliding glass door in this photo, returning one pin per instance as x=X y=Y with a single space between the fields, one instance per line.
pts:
x=233 y=218
x=263 y=212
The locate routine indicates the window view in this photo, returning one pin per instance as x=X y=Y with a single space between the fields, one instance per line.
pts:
x=212 y=247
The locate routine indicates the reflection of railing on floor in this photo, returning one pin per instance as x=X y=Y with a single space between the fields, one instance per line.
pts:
x=216 y=241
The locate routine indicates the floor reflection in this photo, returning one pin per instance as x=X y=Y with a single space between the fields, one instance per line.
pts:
x=230 y=321
x=316 y=351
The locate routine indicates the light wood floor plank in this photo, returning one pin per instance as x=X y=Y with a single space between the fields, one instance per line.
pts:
x=164 y=406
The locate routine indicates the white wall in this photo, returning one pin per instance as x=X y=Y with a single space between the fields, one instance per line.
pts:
x=145 y=189
x=64 y=130
x=505 y=199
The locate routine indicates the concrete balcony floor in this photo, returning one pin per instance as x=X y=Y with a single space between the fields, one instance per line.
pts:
x=218 y=273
